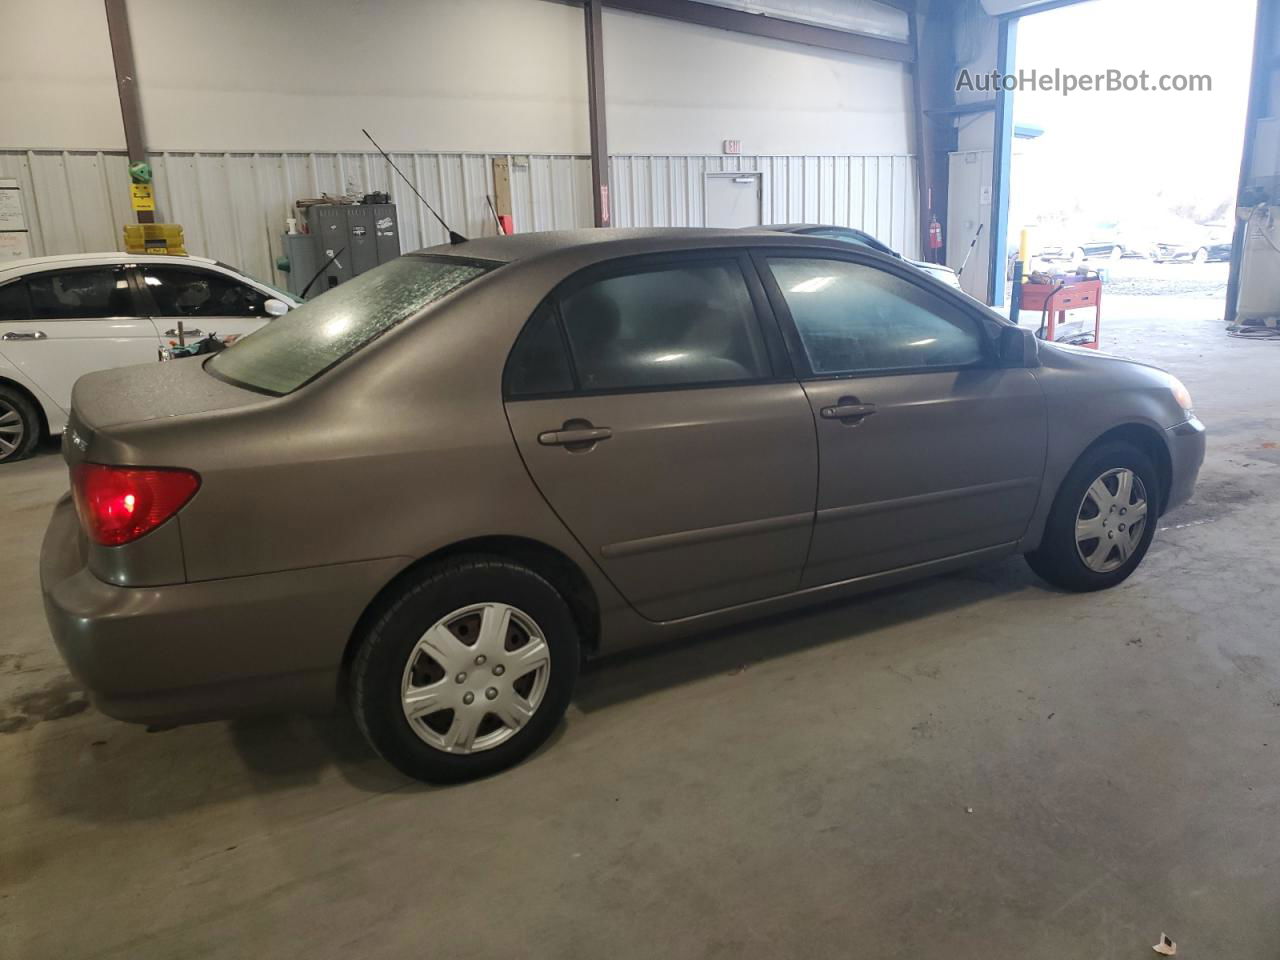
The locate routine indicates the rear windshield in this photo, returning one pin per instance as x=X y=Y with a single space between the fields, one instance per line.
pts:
x=302 y=344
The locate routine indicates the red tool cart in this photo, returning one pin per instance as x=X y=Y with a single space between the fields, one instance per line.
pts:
x=1054 y=299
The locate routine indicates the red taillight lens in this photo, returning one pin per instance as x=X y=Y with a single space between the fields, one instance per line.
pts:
x=119 y=504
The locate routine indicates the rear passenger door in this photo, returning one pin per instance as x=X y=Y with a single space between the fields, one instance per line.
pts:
x=929 y=448
x=206 y=301
x=653 y=404
x=61 y=324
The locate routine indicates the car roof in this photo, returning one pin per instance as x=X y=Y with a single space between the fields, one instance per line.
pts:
x=607 y=241
x=27 y=264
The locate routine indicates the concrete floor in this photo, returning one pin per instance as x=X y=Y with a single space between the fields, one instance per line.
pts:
x=971 y=767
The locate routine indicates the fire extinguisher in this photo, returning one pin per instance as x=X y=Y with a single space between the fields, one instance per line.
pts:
x=935 y=233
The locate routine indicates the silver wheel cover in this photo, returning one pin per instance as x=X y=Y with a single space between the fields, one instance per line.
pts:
x=475 y=678
x=12 y=430
x=1111 y=520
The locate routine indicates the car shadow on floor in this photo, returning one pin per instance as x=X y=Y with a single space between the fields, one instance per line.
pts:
x=102 y=771
x=614 y=679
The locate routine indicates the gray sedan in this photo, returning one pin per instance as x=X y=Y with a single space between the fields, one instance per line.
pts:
x=432 y=491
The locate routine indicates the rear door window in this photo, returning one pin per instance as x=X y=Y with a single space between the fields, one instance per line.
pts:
x=666 y=326
x=84 y=294
x=295 y=348
x=538 y=365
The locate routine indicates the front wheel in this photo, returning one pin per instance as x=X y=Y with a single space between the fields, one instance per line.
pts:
x=1102 y=520
x=467 y=671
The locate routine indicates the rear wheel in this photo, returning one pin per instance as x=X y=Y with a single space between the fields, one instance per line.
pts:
x=19 y=425
x=1102 y=520
x=468 y=669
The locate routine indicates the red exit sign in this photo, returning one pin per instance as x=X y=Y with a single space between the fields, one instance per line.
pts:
x=733 y=146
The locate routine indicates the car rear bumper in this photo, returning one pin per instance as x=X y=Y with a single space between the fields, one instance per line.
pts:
x=1186 y=454
x=206 y=650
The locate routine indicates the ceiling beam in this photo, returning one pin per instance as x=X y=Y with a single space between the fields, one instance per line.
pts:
x=773 y=28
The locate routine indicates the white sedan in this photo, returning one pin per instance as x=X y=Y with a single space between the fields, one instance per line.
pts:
x=62 y=317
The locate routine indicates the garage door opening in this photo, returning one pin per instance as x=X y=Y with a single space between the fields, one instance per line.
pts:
x=1131 y=176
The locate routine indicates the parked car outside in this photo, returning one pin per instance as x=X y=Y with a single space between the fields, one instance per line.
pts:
x=1212 y=244
x=65 y=316
x=939 y=271
x=435 y=489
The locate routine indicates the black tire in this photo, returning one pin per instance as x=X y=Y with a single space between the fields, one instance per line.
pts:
x=15 y=403
x=1058 y=558
x=379 y=666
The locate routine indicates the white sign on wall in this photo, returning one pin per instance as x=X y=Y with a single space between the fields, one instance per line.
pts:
x=14 y=239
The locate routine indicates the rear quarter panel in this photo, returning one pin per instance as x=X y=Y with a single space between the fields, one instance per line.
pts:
x=399 y=451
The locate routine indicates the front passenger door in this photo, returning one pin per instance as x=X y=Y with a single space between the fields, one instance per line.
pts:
x=206 y=301
x=928 y=447
x=654 y=411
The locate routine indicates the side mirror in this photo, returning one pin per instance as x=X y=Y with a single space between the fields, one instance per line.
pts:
x=1018 y=347
x=275 y=308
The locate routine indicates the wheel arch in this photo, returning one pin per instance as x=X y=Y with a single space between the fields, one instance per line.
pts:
x=1150 y=441
x=11 y=384
x=560 y=570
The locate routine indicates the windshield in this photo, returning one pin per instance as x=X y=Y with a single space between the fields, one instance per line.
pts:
x=293 y=349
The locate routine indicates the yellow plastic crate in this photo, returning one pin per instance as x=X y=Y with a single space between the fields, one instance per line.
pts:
x=154 y=238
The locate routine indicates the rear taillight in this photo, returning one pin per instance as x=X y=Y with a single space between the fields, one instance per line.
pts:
x=119 y=504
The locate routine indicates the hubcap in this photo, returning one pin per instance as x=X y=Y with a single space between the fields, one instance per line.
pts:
x=1111 y=520
x=12 y=429
x=475 y=678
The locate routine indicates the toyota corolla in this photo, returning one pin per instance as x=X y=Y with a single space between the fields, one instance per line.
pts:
x=435 y=489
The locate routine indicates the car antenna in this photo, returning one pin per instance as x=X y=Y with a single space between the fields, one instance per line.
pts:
x=327 y=264
x=454 y=238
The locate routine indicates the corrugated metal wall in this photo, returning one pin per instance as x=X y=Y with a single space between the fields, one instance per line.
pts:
x=233 y=205
x=876 y=194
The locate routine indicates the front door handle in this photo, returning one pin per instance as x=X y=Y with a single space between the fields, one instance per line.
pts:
x=25 y=335
x=848 y=408
x=186 y=332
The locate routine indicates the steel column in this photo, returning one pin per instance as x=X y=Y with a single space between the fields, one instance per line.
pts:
x=1000 y=164
x=1259 y=86
x=592 y=15
x=127 y=87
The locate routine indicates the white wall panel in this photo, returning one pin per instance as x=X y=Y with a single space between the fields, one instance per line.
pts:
x=57 y=82
x=679 y=88
x=876 y=194
x=233 y=206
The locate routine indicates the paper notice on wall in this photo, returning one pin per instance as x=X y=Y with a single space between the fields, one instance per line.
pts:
x=11 y=217
x=14 y=245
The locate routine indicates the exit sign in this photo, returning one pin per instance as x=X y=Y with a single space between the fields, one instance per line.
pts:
x=733 y=146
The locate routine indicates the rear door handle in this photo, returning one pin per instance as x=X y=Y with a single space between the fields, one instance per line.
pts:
x=574 y=435
x=25 y=335
x=186 y=332
x=848 y=411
